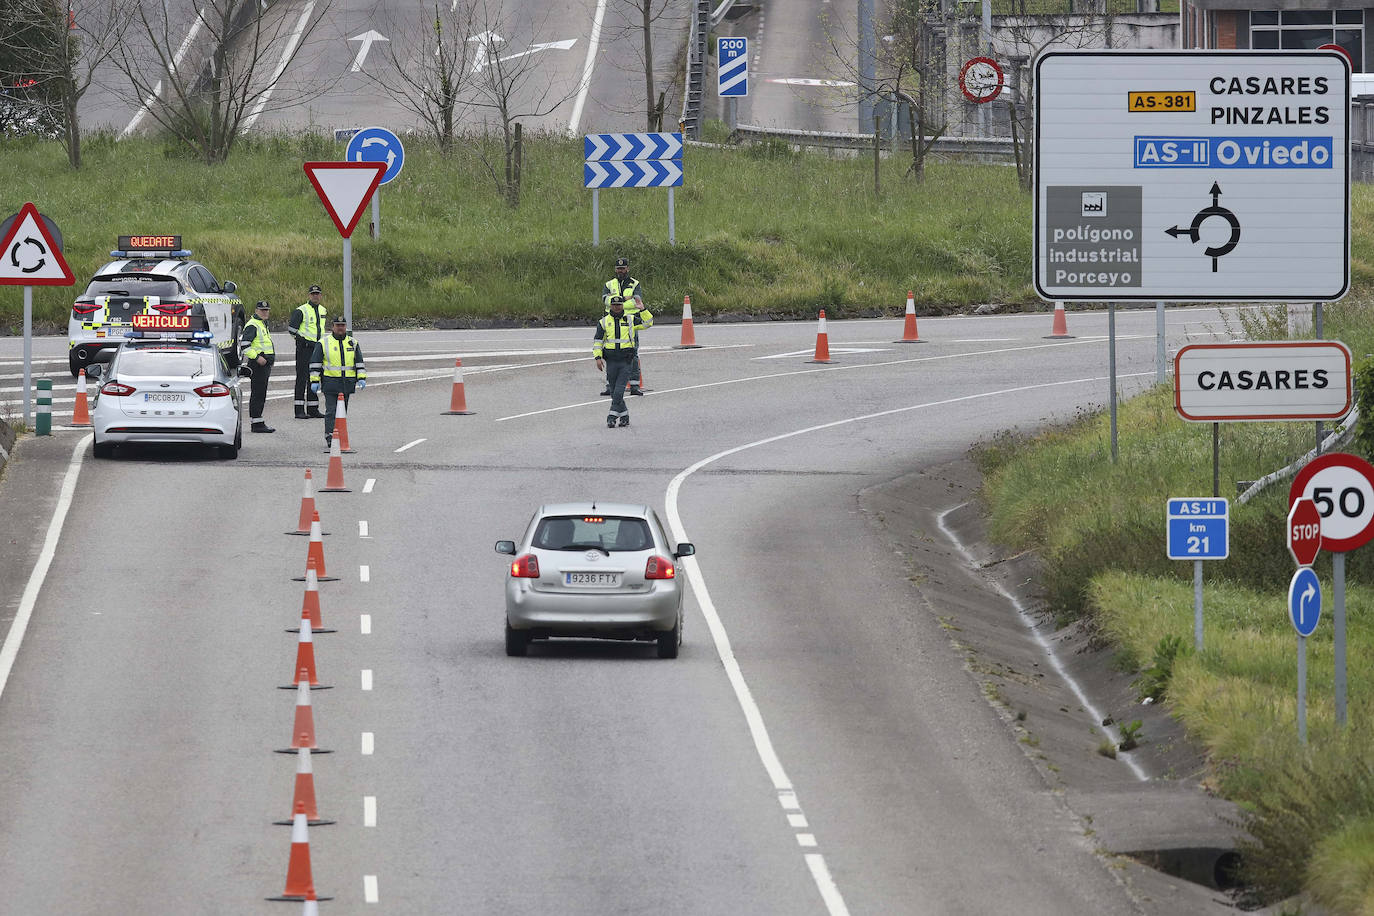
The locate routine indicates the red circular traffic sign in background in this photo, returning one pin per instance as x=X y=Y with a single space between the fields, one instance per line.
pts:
x=1326 y=479
x=989 y=82
x=1304 y=531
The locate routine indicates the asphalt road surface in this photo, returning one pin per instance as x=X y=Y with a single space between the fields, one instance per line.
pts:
x=817 y=748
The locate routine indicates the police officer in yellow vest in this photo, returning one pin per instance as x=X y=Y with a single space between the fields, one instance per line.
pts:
x=258 y=357
x=336 y=367
x=614 y=347
x=307 y=326
x=626 y=288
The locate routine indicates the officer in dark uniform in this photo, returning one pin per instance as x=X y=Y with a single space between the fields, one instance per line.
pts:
x=336 y=367
x=614 y=347
x=258 y=357
x=306 y=325
x=626 y=288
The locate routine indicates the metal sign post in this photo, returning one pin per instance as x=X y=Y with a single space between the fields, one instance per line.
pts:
x=1197 y=529
x=1305 y=610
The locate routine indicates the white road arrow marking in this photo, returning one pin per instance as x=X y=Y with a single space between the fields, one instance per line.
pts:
x=367 y=38
x=486 y=43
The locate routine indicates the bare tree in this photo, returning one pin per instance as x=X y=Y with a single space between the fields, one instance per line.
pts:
x=432 y=61
x=512 y=86
x=640 y=16
x=201 y=84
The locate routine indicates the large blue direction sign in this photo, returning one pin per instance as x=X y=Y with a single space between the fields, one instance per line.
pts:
x=1304 y=601
x=377 y=144
x=1197 y=529
x=650 y=160
x=732 y=59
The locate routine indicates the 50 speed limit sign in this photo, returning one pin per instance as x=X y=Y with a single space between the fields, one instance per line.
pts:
x=1342 y=486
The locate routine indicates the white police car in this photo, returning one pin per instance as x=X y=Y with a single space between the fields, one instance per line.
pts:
x=153 y=275
x=166 y=387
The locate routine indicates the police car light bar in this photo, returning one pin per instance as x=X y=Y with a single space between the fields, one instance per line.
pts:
x=149 y=246
x=195 y=336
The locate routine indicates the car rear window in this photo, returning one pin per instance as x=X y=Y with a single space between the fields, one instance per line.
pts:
x=588 y=532
x=169 y=361
x=135 y=286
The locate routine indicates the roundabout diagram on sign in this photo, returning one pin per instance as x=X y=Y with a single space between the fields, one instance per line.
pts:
x=1194 y=231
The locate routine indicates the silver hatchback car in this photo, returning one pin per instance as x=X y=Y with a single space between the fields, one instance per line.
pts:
x=603 y=570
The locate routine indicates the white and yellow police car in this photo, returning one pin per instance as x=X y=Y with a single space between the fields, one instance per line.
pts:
x=152 y=275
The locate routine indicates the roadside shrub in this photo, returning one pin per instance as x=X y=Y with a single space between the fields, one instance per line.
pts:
x=1364 y=399
x=1154 y=680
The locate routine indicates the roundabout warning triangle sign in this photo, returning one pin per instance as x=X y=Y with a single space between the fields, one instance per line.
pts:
x=29 y=256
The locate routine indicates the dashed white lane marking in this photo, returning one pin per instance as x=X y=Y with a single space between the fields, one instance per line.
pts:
x=797 y=820
x=365 y=624
x=369 y=743
x=362 y=528
x=1094 y=715
x=371 y=482
x=364 y=574
x=367 y=678
x=369 y=811
x=10 y=650
x=409 y=445
x=370 y=884
x=763 y=744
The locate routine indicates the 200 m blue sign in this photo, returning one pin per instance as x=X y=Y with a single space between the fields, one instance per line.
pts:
x=1233 y=152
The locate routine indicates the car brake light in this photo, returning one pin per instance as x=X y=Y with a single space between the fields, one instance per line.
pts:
x=526 y=567
x=116 y=390
x=659 y=568
x=213 y=390
x=83 y=308
x=172 y=308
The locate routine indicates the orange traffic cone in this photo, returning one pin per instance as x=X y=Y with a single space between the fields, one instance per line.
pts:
x=1061 y=326
x=307 y=506
x=341 y=425
x=304 y=793
x=334 y=480
x=299 y=884
x=303 y=726
x=458 y=402
x=689 y=337
x=909 y=333
x=81 y=416
x=822 y=343
x=314 y=555
x=305 y=658
x=310 y=605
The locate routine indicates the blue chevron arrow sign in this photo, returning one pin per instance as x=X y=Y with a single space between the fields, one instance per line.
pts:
x=613 y=147
x=644 y=173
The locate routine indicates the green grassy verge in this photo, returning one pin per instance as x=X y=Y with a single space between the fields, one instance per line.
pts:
x=1310 y=810
x=760 y=230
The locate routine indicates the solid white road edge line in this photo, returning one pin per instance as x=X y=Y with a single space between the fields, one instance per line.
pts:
x=753 y=717
x=10 y=650
x=1034 y=629
x=281 y=67
x=586 y=84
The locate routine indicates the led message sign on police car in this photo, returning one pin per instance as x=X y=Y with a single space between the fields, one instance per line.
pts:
x=1186 y=175
x=161 y=322
x=1271 y=380
x=150 y=242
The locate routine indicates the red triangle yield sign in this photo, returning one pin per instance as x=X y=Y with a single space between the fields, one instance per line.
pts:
x=29 y=256
x=345 y=188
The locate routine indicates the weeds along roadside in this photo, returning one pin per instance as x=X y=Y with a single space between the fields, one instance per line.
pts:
x=1310 y=811
x=759 y=230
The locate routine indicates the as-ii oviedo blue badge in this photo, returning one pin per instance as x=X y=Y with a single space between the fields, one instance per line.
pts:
x=1233 y=152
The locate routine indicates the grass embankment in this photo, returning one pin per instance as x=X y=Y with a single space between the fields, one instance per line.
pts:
x=759 y=230
x=1311 y=810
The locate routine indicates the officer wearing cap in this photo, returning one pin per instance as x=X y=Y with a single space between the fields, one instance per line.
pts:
x=307 y=326
x=258 y=357
x=626 y=289
x=336 y=367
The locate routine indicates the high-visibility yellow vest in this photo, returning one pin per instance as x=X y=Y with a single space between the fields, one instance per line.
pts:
x=312 y=321
x=262 y=343
x=618 y=333
x=338 y=358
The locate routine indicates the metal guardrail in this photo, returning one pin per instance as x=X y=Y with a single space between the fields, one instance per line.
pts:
x=997 y=148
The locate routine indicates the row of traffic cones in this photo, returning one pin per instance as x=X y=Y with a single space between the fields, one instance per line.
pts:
x=305 y=811
x=1059 y=331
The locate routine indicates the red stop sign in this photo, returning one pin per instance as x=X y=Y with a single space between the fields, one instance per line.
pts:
x=1304 y=531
